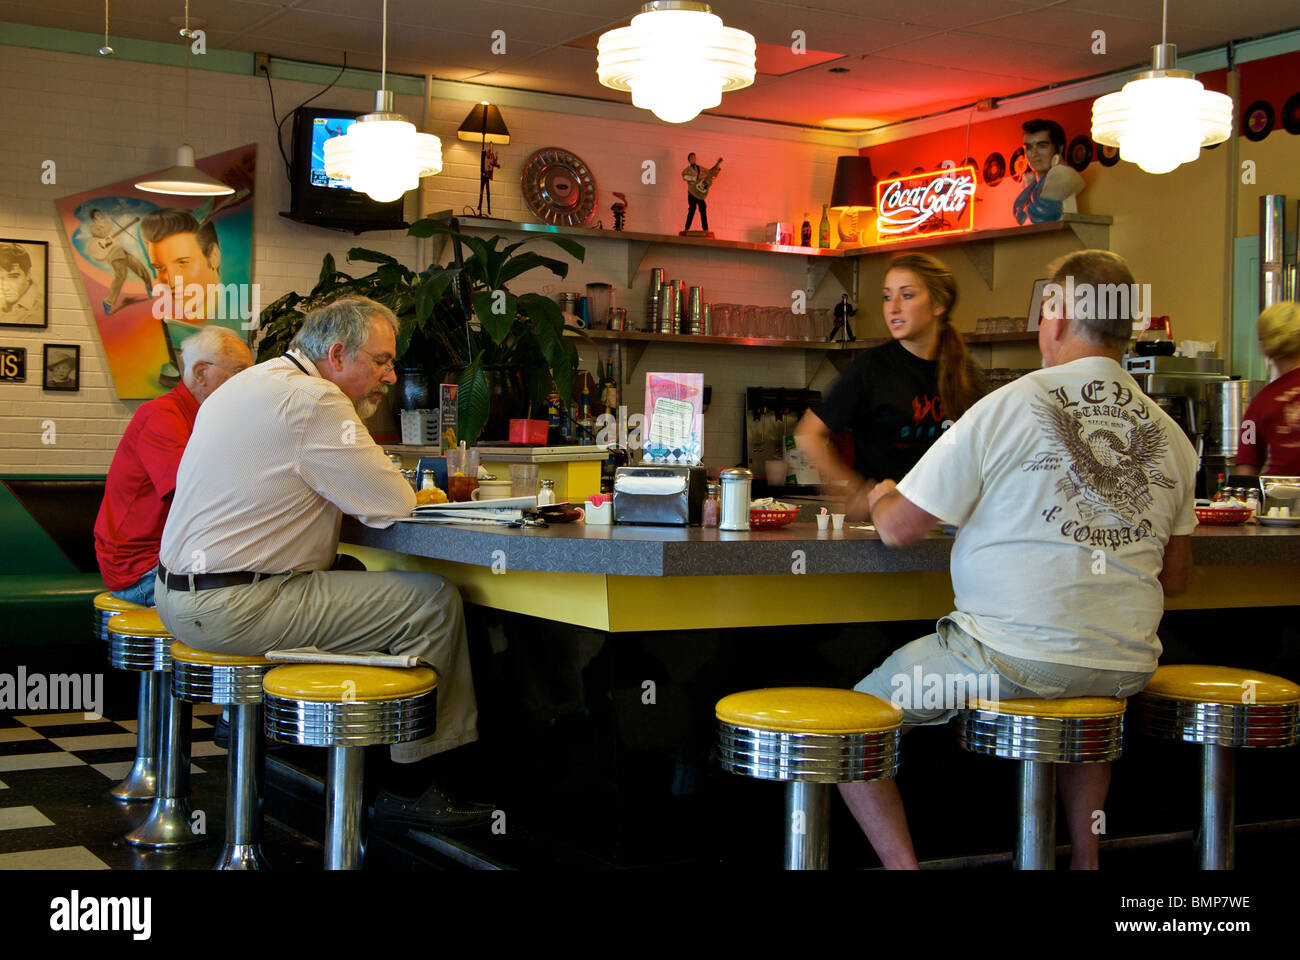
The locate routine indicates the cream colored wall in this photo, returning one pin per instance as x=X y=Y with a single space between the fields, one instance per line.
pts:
x=1277 y=170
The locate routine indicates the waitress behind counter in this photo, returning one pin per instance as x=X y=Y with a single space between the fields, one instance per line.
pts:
x=897 y=398
x=1270 y=430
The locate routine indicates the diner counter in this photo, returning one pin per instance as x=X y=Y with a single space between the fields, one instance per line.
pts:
x=637 y=578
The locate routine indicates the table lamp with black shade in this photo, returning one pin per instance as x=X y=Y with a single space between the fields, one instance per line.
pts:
x=853 y=193
x=484 y=125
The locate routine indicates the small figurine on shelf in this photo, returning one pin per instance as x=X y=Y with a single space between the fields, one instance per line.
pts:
x=843 y=311
x=609 y=389
x=698 y=182
x=619 y=209
x=487 y=163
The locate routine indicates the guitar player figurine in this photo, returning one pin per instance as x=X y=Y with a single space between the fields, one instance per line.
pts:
x=698 y=182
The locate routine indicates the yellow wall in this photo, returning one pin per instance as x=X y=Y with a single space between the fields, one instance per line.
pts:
x=1277 y=170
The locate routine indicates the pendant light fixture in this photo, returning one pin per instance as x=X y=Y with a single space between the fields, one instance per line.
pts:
x=677 y=58
x=185 y=179
x=382 y=155
x=1162 y=117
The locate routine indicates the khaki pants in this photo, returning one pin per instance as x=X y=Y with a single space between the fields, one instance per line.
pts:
x=418 y=614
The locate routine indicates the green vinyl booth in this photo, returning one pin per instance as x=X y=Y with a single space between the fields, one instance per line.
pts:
x=48 y=572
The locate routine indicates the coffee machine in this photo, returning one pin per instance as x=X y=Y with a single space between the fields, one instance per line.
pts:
x=1181 y=386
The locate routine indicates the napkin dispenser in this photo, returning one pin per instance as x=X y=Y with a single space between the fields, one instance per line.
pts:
x=669 y=495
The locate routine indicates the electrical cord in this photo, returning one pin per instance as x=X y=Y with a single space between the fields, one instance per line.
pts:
x=279 y=127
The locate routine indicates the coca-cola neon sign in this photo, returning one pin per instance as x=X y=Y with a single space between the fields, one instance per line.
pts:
x=932 y=204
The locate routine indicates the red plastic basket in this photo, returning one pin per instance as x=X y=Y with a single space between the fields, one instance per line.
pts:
x=767 y=519
x=1222 y=516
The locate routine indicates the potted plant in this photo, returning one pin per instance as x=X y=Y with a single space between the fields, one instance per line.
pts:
x=476 y=327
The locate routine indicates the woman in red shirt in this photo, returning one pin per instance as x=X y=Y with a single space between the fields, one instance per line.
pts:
x=1270 y=431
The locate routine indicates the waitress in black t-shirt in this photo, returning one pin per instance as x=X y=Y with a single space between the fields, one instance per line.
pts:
x=897 y=398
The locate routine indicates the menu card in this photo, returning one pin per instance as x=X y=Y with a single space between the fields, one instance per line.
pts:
x=674 y=417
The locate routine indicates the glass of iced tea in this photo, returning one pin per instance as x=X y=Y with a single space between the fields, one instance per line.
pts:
x=460 y=488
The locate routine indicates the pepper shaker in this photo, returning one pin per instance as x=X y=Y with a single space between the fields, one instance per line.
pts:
x=736 y=483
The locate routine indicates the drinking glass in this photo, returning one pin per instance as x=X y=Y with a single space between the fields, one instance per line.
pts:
x=523 y=479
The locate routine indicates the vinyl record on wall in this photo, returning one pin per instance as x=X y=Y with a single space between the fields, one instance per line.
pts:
x=970 y=162
x=1018 y=165
x=1291 y=114
x=995 y=168
x=1079 y=153
x=1257 y=120
x=1107 y=156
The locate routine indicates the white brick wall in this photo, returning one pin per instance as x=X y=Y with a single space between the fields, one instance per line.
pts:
x=103 y=120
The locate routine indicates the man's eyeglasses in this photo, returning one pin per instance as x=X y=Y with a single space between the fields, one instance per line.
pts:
x=384 y=365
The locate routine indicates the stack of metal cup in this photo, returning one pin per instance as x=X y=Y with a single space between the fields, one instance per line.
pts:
x=670 y=308
x=693 y=317
x=653 y=300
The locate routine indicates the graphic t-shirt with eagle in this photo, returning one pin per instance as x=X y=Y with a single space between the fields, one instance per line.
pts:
x=1066 y=485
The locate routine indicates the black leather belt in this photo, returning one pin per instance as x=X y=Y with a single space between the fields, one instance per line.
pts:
x=209 y=581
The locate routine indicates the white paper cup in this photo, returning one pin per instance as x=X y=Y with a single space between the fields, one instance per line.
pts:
x=823 y=520
x=837 y=521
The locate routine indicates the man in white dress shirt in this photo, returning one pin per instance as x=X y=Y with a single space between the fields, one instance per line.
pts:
x=273 y=463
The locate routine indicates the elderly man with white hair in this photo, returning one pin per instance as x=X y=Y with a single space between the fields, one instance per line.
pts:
x=142 y=478
x=245 y=563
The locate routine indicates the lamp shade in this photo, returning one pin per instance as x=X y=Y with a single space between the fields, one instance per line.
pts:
x=185 y=179
x=484 y=125
x=855 y=184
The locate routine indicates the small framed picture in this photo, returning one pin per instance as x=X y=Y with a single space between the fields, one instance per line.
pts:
x=1036 y=304
x=24 y=279
x=62 y=367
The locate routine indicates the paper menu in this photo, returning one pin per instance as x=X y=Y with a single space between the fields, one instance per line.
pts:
x=674 y=405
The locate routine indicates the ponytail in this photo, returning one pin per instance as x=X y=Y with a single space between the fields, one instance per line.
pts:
x=957 y=392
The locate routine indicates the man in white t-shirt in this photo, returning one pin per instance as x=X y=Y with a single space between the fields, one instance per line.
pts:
x=1074 y=498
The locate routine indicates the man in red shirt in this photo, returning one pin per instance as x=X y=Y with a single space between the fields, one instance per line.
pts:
x=142 y=478
x=1270 y=431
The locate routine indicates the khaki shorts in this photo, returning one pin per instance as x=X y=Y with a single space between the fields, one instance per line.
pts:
x=930 y=679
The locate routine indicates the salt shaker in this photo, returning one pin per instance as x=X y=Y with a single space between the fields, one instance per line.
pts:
x=428 y=481
x=736 y=483
x=547 y=494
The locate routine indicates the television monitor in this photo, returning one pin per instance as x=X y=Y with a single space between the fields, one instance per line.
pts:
x=321 y=199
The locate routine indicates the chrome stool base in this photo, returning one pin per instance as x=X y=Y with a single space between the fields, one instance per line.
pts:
x=242 y=856
x=141 y=782
x=344 y=813
x=1039 y=743
x=244 y=781
x=169 y=824
x=809 y=763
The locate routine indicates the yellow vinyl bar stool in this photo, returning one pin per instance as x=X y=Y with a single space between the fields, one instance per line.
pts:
x=139 y=641
x=344 y=708
x=1221 y=708
x=1041 y=733
x=234 y=681
x=141 y=782
x=809 y=737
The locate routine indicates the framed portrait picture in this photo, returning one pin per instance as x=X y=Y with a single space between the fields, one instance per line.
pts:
x=24 y=280
x=1036 y=304
x=62 y=367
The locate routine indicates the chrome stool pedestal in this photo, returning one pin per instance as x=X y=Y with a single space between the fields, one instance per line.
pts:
x=1040 y=734
x=236 y=682
x=139 y=641
x=1222 y=709
x=141 y=782
x=346 y=708
x=809 y=737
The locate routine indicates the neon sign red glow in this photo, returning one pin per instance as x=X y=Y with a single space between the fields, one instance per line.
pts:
x=932 y=204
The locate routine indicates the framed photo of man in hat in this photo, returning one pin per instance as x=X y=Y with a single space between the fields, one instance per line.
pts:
x=62 y=367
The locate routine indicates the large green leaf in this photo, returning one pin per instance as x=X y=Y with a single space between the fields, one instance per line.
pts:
x=496 y=311
x=473 y=404
x=327 y=271
x=530 y=261
x=429 y=291
x=370 y=256
x=546 y=323
x=571 y=247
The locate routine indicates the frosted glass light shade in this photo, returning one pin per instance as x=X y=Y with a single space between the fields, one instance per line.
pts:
x=676 y=63
x=383 y=158
x=1160 y=123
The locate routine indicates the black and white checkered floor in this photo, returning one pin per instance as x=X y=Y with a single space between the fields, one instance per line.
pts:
x=55 y=812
